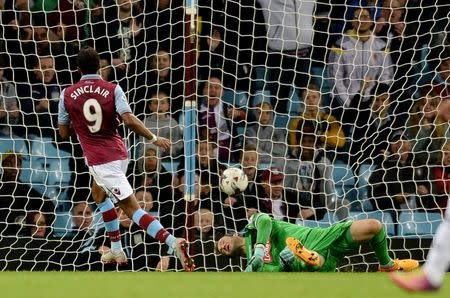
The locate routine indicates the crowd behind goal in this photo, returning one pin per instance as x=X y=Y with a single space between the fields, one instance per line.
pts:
x=330 y=109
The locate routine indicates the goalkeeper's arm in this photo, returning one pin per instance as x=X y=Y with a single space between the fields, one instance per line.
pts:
x=263 y=225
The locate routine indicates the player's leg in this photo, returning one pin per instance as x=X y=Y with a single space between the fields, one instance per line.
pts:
x=122 y=191
x=309 y=257
x=436 y=265
x=111 y=221
x=154 y=228
x=372 y=231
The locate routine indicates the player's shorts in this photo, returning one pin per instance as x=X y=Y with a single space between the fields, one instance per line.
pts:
x=331 y=243
x=111 y=178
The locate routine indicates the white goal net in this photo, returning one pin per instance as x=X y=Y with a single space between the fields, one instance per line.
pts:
x=328 y=106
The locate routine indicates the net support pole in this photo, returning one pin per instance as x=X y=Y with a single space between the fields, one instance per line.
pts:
x=190 y=109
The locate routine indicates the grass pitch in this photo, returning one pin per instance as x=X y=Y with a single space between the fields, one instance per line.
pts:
x=199 y=285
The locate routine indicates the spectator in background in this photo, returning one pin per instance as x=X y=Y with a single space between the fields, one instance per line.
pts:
x=284 y=204
x=233 y=45
x=310 y=173
x=373 y=127
x=162 y=78
x=39 y=102
x=106 y=70
x=38 y=224
x=18 y=198
x=399 y=183
x=119 y=33
x=290 y=33
x=82 y=219
x=218 y=120
x=328 y=129
x=441 y=81
x=427 y=130
x=204 y=223
x=357 y=57
x=440 y=182
x=145 y=200
x=269 y=140
x=237 y=209
x=153 y=177
x=402 y=39
x=162 y=124
x=9 y=110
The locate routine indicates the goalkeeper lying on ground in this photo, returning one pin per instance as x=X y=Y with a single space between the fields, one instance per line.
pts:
x=271 y=245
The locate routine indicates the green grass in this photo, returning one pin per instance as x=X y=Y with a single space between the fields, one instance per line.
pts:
x=199 y=285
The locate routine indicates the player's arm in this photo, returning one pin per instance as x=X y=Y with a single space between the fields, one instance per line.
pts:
x=263 y=225
x=133 y=123
x=136 y=125
x=64 y=129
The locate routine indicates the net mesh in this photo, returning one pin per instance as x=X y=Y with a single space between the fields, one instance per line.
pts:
x=338 y=98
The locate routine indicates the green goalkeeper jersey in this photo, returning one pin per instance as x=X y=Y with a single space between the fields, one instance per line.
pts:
x=329 y=242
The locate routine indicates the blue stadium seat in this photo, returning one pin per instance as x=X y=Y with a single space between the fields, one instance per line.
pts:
x=383 y=217
x=260 y=77
x=313 y=223
x=330 y=217
x=235 y=98
x=171 y=166
x=260 y=96
x=365 y=170
x=14 y=144
x=344 y=182
x=295 y=102
x=62 y=226
x=414 y=224
x=281 y=121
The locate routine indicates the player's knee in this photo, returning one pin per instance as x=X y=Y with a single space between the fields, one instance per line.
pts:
x=373 y=226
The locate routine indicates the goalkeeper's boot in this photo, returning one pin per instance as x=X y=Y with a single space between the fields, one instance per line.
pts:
x=114 y=256
x=413 y=282
x=310 y=257
x=180 y=249
x=401 y=265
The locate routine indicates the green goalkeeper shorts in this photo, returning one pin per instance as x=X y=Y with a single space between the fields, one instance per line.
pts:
x=331 y=243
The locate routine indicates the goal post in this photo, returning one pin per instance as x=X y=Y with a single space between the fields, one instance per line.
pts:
x=331 y=95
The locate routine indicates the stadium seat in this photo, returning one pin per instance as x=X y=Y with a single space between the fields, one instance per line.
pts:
x=14 y=144
x=295 y=102
x=313 y=223
x=171 y=166
x=235 y=98
x=414 y=224
x=344 y=183
x=62 y=226
x=365 y=170
x=383 y=217
x=260 y=77
x=329 y=217
x=281 y=121
x=260 y=96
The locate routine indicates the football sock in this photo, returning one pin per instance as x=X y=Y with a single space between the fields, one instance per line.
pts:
x=379 y=245
x=111 y=220
x=153 y=227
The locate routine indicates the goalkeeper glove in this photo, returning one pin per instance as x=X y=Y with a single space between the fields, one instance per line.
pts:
x=286 y=258
x=256 y=262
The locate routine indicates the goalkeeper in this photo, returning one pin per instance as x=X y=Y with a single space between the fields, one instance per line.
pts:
x=271 y=245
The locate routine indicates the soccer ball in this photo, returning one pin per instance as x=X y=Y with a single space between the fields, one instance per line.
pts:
x=233 y=181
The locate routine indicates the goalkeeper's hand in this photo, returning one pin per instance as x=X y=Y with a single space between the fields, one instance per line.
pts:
x=256 y=262
x=286 y=257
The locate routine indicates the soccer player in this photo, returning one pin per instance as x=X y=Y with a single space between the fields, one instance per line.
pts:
x=431 y=276
x=271 y=245
x=93 y=108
